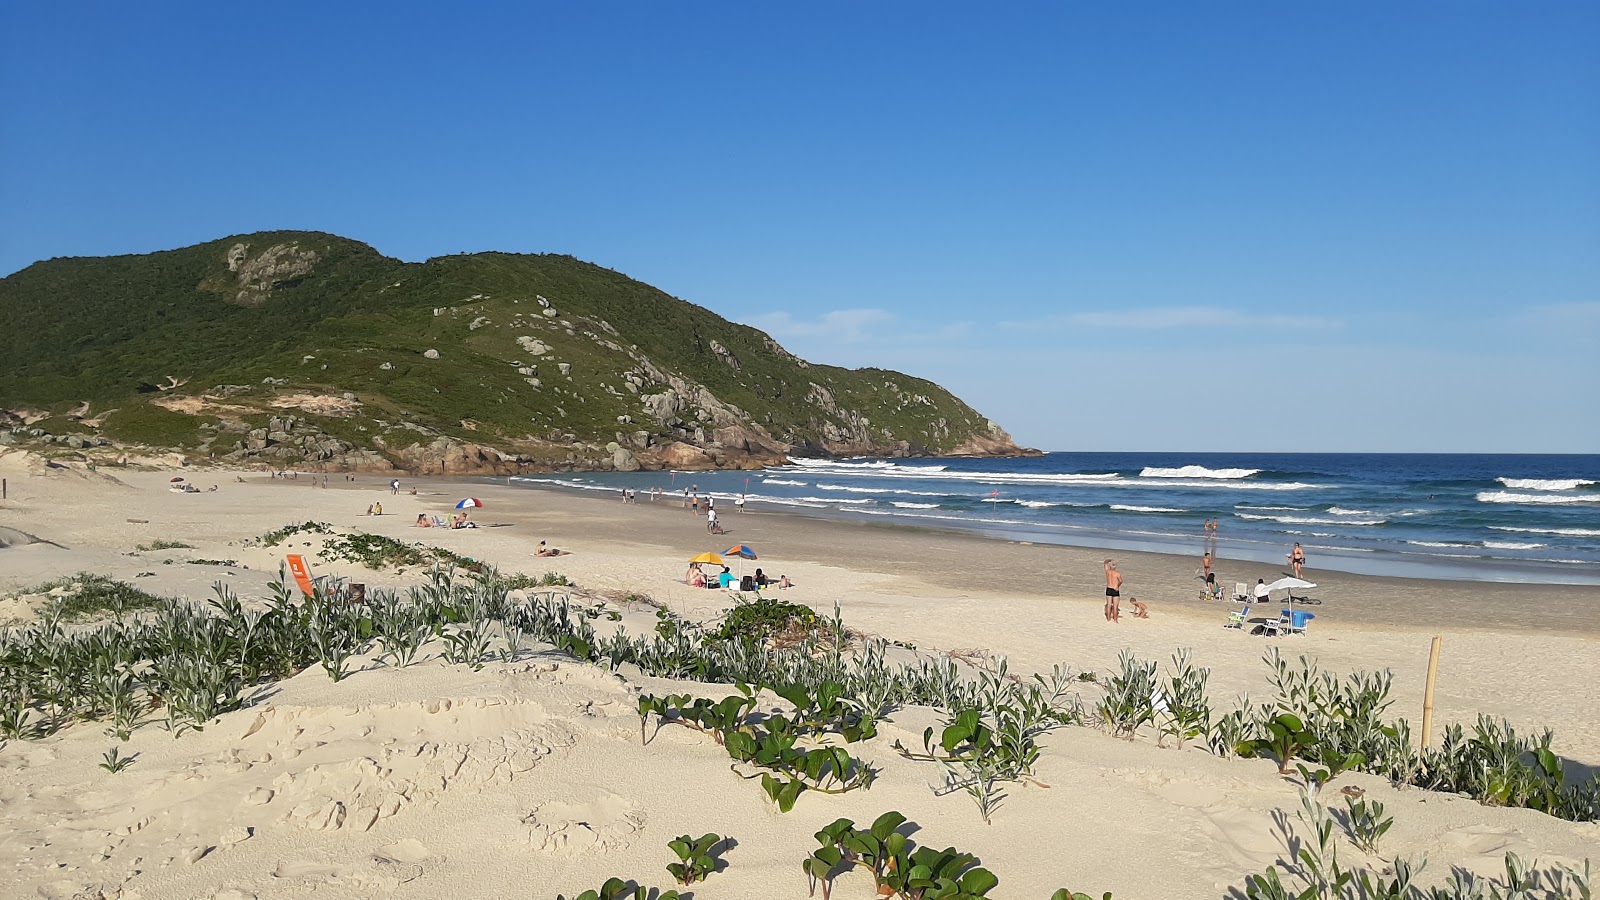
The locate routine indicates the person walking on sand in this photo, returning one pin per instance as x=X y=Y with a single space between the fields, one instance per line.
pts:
x=394 y=487
x=1113 y=592
x=711 y=522
x=1297 y=558
x=1211 y=577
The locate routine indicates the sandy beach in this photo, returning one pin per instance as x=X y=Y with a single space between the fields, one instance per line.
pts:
x=528 y=778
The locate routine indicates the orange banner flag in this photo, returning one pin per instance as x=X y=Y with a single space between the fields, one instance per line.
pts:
x=302 y=574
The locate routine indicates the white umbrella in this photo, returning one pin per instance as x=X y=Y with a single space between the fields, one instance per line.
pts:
x=1289 y=584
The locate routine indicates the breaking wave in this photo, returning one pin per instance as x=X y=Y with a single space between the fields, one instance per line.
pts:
x=783 y=481
x=1310 y=520
x=1535 y=499
x=1568 y=532
x=1196 y=472
x=906 y=504
x=1545 y=484
x=1154 y=509
x=1510 y=545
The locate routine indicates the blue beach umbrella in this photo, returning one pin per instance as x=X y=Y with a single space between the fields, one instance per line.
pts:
x=743 y=552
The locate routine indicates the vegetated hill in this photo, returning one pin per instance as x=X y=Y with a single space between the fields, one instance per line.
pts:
x=312 y=350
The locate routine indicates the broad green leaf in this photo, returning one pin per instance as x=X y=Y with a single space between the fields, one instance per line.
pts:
x=978 y=881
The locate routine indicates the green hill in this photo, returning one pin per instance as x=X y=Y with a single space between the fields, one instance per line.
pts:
x=308 y=348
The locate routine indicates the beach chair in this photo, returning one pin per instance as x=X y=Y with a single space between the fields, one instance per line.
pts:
x=1241 y=592
x=1236 y=619
x=1294 y=621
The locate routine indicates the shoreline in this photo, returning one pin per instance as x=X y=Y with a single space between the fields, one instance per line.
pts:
x=1052 y=570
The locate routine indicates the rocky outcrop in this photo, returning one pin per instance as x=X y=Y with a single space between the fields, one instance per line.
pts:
x=273 y=267
x=996 y=443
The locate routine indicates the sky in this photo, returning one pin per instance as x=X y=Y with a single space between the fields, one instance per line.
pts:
x=1148 y=226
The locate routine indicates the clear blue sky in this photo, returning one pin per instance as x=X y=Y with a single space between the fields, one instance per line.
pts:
x=1351 y=226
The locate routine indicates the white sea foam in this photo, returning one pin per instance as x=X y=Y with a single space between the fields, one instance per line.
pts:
x=906 y=504
x=1545 y=484
x=1510 y=545
x=783 y=481
x=1569 y=532
x=1535 y=499
x=1337 y=511
x=1196 y=472
x=853 y=490
x=839 y=464
x=1272 y=508
x=1046 y=478
x=1310 y=520
x=1154 y=509
x=1441 y=544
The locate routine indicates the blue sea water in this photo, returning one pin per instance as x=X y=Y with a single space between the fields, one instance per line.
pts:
x=1514 y=518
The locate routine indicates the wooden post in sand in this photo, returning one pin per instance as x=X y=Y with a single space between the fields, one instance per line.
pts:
x=1427 y=694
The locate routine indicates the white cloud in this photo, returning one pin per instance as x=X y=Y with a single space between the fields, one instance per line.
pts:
x=1167 y=317
x=851 y=325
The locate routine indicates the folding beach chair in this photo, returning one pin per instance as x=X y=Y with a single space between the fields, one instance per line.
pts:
x=1236 y=619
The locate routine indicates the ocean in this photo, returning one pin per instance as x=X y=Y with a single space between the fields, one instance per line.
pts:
x=1509 y=518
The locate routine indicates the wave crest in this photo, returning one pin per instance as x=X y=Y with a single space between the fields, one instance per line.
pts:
x=1196 y=472
x=1534 y=499
x=1545 y=484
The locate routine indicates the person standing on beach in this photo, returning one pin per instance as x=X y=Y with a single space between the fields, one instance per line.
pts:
x=1211 y=577
x=1113 y=592
x=711 y=521
x=1297 y=558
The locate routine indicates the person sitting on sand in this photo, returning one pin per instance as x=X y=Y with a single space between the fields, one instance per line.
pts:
x=725 y=578
x=548 y=551
x=369 y=509
x=423 y=521
x=761 y=579
x=1140 y=610
x=697 y=578
x=784 y=582
x=1262 y=594
x=461 y=522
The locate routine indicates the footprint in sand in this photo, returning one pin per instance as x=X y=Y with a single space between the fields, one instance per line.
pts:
x=608 y=822
x=1488 y=841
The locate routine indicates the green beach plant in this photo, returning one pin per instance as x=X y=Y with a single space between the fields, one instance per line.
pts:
x=696 y=857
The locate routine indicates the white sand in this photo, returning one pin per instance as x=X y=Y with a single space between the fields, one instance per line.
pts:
x=529 y=779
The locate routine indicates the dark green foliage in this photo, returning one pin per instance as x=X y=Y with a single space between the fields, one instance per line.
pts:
x=617 y=889
x=91 y=596
x=767 y=619
x=770 y=743
x=899 y=867
x=163 y=545
x=181 y=314
x=274 y=538
x=696 y=857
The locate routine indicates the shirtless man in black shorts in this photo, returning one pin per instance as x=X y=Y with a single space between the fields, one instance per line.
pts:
x=1113 y=592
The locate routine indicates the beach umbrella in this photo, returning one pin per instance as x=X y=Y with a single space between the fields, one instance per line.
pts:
x=708 y=558
x=1289 y=584
x=176 y=478
x=470 y=503
x=743 y=552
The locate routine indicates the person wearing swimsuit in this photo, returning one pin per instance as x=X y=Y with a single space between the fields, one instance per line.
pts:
x=1113 y=592
x=1297 y=558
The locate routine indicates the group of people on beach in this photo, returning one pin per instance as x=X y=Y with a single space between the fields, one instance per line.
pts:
x=1113 y=610
x=696 y=577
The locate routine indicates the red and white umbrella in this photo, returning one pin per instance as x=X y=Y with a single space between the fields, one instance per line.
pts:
x=470 y=503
